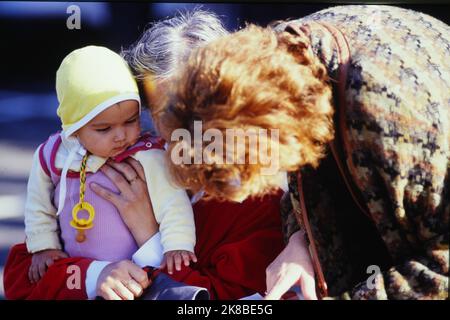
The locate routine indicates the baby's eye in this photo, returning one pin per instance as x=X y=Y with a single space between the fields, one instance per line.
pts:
x=132 y=120
x=103 y=129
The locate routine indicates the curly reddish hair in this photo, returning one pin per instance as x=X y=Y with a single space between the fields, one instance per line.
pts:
x=254 y=78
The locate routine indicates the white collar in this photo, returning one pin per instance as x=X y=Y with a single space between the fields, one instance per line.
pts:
x=93 y=164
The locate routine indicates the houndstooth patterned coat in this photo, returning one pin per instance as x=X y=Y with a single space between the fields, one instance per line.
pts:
x=381 y=196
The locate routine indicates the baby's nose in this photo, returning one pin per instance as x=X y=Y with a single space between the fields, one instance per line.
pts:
x=120 y=134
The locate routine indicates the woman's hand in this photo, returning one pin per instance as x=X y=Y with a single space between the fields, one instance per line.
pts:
x=133 y=201
x=293 y=265
x=122 y=281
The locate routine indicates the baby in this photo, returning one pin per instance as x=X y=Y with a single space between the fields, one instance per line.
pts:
x=99 y=108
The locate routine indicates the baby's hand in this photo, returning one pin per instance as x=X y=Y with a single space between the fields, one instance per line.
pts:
x=177 y=256
x=41 y=261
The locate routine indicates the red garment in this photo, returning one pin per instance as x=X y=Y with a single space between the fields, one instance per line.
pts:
x=52 y=286
x=235 y=244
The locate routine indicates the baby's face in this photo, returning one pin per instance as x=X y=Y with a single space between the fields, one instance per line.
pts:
x=112 y=131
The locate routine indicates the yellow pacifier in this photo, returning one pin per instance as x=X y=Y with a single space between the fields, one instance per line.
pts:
x=80 y=224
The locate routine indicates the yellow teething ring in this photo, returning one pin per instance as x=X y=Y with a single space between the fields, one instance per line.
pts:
x=82 y=224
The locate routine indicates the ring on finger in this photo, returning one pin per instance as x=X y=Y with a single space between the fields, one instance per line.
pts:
x=132 y=285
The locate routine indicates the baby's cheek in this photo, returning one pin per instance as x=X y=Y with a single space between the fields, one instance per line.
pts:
x=103 y=146
x=135 y=133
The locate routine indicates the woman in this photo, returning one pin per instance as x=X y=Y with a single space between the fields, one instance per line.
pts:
x=235 y=241
x=360 y=98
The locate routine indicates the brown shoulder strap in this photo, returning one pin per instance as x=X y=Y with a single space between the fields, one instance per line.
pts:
x=339 y=144
x=303 y=220
x=337 y=150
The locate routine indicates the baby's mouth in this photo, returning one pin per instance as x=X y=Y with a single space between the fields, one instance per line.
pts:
x=118 y=150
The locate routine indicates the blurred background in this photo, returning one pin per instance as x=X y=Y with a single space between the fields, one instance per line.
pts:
x=34 y=40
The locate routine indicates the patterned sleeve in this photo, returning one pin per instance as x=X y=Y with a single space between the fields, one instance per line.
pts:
x=398 y=142
x=420 y=248
x=289 y=221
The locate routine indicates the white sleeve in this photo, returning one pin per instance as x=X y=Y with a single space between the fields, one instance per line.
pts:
x=41 y=226
x=92 y=274
x=150 y=254
x=171 y=205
